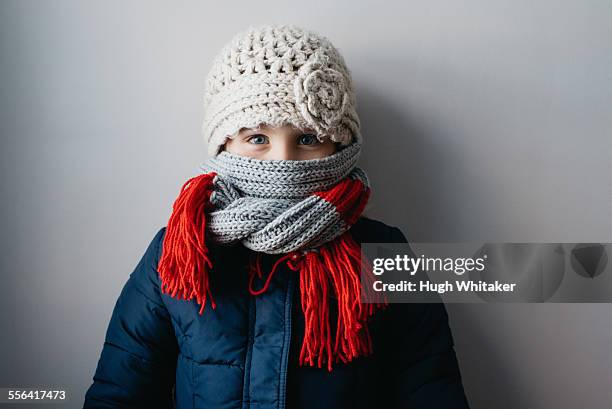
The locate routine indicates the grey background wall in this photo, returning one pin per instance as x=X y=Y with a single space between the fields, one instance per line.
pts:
x=484 y=121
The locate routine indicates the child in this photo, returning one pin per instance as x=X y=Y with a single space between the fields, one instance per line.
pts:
x=249 y=297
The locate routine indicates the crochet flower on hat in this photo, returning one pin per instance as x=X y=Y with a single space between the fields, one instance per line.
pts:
x=321 y=93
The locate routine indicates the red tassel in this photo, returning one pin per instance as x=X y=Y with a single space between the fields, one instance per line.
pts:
x=336 y=267
x=255 y=268
x=184 y=264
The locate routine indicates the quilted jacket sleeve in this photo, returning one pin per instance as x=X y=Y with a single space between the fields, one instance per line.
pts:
x=138 y=360
x=421 y=369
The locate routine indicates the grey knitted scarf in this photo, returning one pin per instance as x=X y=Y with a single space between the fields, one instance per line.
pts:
x=303 y=208
x=277 y=206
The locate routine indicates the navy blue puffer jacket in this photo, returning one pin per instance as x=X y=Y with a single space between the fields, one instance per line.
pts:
x=159 y=352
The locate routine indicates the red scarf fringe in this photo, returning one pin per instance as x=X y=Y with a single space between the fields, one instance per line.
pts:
x=185 y=263
x=334 y=268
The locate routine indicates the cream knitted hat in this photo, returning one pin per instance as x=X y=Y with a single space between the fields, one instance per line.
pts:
x=279 y=75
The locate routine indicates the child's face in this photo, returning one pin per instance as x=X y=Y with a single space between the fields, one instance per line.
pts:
x=284 y=142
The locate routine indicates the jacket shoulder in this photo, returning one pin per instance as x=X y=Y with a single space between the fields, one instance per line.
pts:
x=369 y=230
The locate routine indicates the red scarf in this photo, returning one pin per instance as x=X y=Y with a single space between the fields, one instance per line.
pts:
x=333 y=268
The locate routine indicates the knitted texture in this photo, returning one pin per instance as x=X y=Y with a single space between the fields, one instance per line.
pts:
x=302 y=209
x=272 y=206
x=279 y=75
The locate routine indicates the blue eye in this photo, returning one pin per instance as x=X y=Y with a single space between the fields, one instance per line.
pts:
x=259 y=137
x=310 y=139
